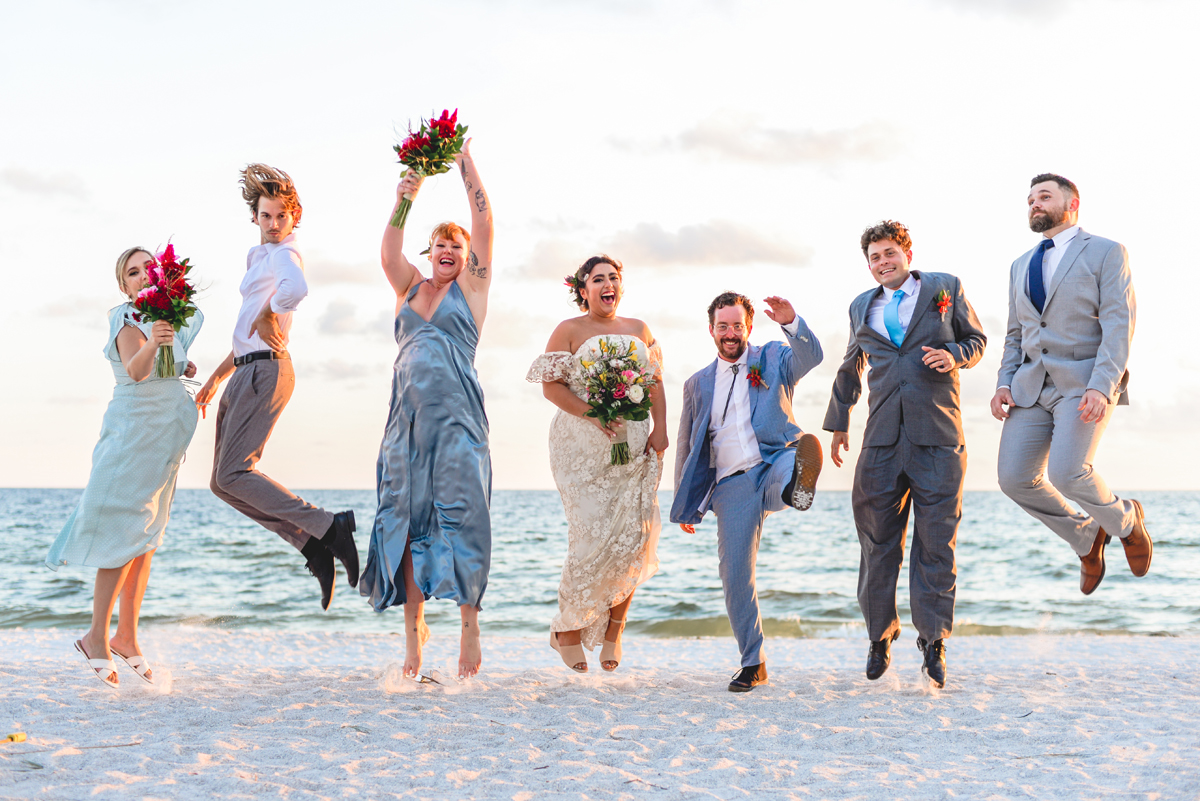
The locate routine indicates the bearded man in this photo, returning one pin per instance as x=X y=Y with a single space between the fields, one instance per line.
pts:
x=1071 y=311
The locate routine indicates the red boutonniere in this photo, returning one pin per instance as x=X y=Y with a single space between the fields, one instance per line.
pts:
x=944 y=302
x=754 y=376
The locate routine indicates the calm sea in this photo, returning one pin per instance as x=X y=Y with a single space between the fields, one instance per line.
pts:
x=216 y=568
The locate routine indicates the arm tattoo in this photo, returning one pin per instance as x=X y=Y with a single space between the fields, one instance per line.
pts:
x=473 y=264
x=480 y=200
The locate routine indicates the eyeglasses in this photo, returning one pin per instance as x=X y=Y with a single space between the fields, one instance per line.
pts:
x=723 y=328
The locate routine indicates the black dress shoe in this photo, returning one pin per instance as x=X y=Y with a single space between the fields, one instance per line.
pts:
x=339 y=539
x=879 y=656
x=935 y=661
x=320 y=564
x=800 y=490
x=748 y=678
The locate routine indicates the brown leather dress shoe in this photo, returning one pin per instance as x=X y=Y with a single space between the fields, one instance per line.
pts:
x=1091 y=566
x=1138 y=545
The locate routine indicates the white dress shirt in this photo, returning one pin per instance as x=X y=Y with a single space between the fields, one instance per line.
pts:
x=1053 y=257
x=907 y=304
x=274 y=273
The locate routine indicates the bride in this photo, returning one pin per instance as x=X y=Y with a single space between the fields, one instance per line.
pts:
x=612 y=510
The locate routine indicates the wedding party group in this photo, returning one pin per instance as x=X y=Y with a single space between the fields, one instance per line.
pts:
x=741 y=454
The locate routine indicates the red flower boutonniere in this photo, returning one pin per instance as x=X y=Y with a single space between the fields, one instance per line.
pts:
x=754 y=376
x=944 y=302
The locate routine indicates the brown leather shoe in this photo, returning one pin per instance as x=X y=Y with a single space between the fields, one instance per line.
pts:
x=1091 y=566
x=1138 y=545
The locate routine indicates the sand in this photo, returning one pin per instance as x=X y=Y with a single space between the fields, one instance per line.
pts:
x=245 y=714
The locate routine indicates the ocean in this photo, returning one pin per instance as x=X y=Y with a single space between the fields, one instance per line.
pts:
x=218 y=569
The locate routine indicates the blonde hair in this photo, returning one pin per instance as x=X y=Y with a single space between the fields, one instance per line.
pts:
x=122 y=260
x=259 y=181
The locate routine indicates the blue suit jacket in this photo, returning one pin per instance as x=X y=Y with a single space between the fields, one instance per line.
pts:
x=770 y=415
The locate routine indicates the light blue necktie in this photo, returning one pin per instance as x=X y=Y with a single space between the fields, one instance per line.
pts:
x=891 y=318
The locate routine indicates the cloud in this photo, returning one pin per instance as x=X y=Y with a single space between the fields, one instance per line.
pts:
x=1025 y=8
x=35 y=183
x=341 y=317
x=320 y=270
x=714 y=243
x=726 y=139
x=340 y=370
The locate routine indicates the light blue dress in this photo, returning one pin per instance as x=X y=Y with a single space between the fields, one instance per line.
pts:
x=124 y=508
x=435 y=470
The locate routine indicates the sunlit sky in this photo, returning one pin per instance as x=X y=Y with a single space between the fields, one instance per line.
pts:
x=709 y=145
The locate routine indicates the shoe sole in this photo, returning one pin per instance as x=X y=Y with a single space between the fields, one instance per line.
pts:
x=803 y=487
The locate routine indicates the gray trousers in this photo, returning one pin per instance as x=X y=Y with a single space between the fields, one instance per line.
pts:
x=888 y=482
x=1045 y=460
x=742 y=504
x=253 y=400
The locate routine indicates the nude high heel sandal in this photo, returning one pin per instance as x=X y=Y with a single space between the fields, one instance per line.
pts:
x=572 y=655
x=611 y=651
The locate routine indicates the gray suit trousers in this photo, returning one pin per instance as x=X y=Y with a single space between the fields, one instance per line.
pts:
x=742 y=504
x=253 y=400
x=1045 y=460
x=889 y=481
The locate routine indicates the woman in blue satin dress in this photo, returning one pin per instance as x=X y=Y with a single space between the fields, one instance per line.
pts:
x=432 y=536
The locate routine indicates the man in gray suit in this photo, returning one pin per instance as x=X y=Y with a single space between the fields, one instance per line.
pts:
x=916 y=331
x=1071 y=313
x=742 y=455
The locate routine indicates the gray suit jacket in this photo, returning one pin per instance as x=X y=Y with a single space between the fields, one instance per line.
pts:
x=1081 y=339
x=903 y=388
x=770 y=415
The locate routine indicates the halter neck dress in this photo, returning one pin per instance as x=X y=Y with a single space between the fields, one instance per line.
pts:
x=435 y=470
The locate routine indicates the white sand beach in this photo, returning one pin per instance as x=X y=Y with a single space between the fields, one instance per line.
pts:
x=245 y=714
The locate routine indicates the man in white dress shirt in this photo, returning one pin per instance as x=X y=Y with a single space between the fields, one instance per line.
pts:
x=916 y=330
x=742 y=455
x=262 y=384
x=1071 y=312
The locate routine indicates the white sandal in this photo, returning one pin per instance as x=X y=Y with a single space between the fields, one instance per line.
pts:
x=611 y=651
x=138 y=664
x=103 y=668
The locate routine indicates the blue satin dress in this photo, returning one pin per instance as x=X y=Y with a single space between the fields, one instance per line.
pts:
x=435 y=470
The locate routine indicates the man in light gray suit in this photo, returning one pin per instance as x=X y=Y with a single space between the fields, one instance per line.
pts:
x=1071 y=311
x=742 y=455
x=916 y=331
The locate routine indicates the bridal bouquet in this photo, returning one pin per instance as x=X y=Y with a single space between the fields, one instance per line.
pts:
x=168 y=297
x=429 y=151
x=618 y=388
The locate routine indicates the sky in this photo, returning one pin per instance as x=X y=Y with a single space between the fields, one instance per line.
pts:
x=708 y=145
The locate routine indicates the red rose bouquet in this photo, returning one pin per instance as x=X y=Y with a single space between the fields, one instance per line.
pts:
x=168 y=297
x=429 y=151
x=618 y=388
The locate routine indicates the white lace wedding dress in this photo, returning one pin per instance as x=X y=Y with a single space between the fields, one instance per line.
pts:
x=613 y=522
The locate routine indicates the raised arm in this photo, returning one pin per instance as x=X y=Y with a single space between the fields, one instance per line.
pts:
x=400 y=271
x=477 y=278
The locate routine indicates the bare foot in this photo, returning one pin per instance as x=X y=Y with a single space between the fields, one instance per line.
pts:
x=93 y=651
x=413 y=646
x=470 y=655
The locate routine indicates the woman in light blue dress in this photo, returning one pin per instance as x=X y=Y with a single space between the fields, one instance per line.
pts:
x=123 y=512
x=432 y=536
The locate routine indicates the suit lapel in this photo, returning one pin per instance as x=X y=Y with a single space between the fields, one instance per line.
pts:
x=924 y=297
x=861 y=329
x=752 y=360
x=1022 y=286
x=1068 y=261
x=708 y=383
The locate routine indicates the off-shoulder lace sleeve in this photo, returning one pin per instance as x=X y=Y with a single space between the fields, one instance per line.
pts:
x=654 y=352
x=553 y=366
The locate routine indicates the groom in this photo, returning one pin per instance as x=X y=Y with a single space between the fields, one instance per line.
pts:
x=742 y=455
x=262 y=385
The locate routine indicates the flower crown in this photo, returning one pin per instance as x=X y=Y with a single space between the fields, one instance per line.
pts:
x=575 y=284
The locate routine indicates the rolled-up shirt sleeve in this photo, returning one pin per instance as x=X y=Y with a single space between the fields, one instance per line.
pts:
x=290 y=286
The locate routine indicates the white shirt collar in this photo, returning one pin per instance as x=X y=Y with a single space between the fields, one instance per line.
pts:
x=727 y=366
x=1065 y=236
x=909 y=287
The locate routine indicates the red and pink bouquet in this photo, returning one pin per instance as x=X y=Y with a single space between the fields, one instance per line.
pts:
x=429 y=151
x=168 y=297
x=618 y=388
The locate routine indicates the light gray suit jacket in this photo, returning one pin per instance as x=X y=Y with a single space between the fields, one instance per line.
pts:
x=903 y=388
x=1081 y=338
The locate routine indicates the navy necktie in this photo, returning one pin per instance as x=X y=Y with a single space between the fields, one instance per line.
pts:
x=1037 y=284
